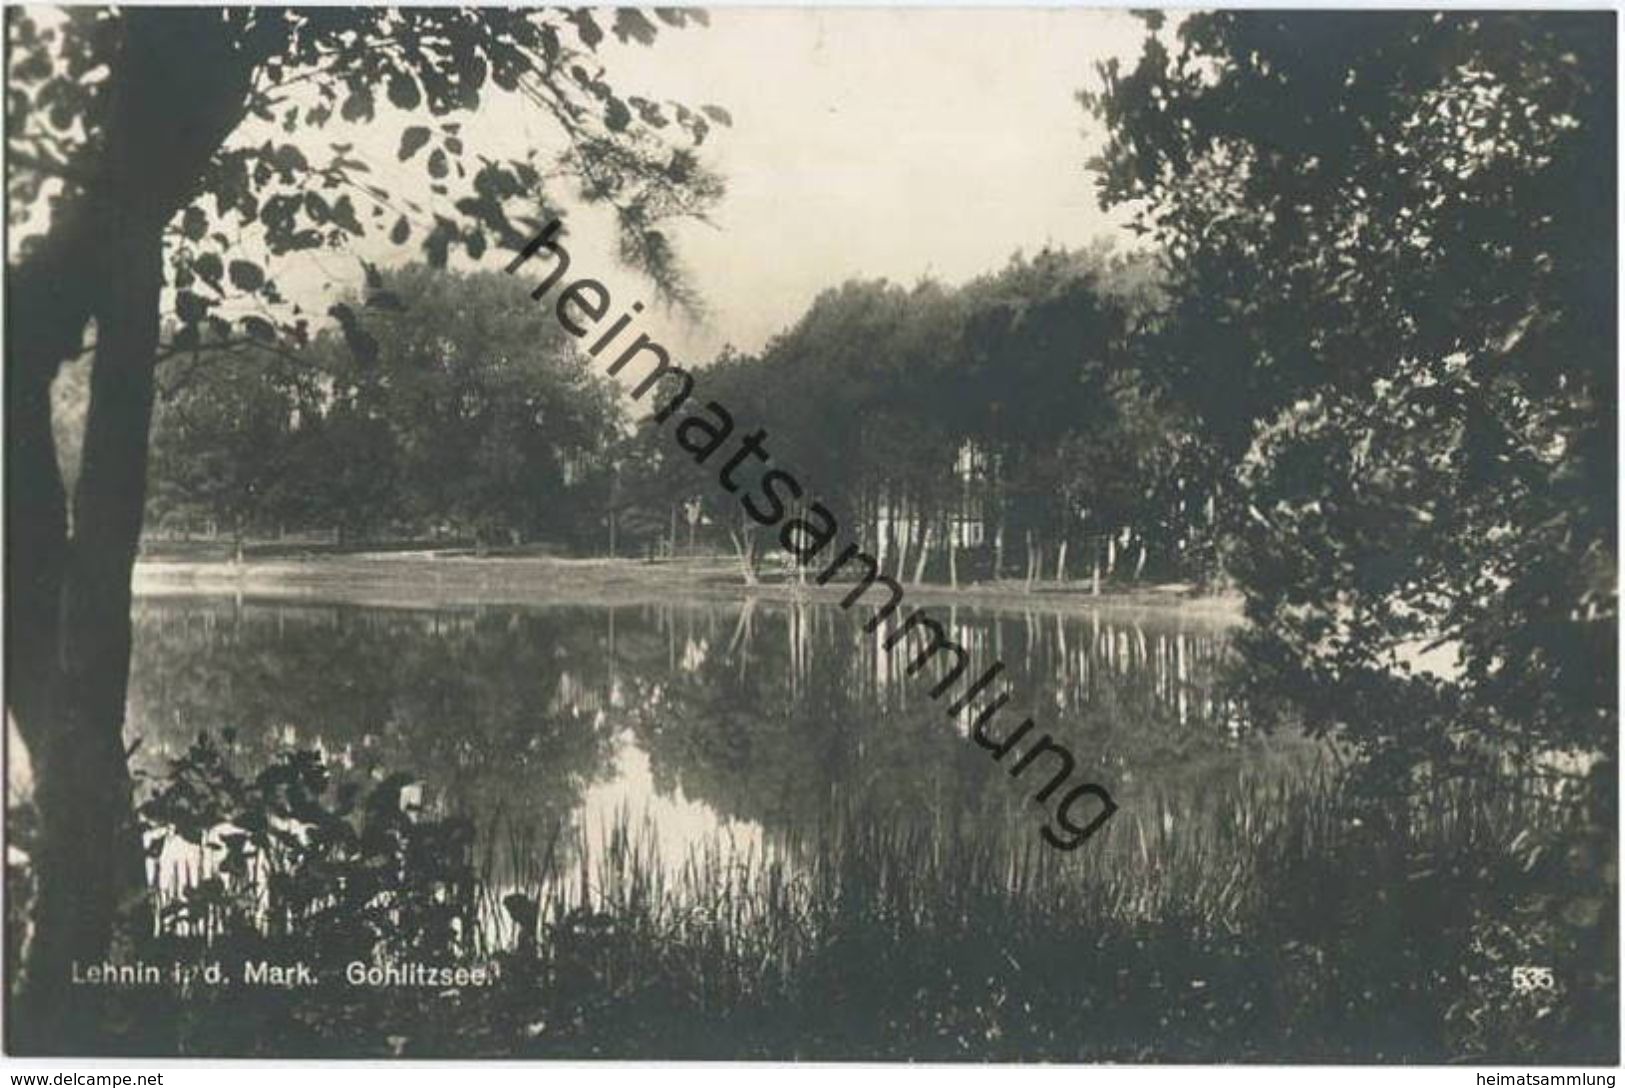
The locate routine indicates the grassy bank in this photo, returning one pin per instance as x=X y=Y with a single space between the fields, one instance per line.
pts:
x=1296 y=932
x=402 y=578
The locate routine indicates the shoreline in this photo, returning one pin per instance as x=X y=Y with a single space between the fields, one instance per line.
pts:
x=417 y=579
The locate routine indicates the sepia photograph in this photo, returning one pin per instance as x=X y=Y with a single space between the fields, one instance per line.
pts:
x=836 y=534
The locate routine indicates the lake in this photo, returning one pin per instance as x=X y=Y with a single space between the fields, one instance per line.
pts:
x=724 y=727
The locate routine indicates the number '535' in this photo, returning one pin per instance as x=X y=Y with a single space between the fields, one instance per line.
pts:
x=1527 y=979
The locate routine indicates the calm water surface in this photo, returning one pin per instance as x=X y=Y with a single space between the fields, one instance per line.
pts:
x=731 y=726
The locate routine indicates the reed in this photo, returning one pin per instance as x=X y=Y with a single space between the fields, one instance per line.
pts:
x=1292 y=925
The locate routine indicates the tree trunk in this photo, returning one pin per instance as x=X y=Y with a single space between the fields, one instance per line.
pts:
x=176 y=89
x=89 y=847
x=1060 y=562
x=885 y=515
x=799 y=512
x=70 y=708
x=925 y=554
x=905 y=534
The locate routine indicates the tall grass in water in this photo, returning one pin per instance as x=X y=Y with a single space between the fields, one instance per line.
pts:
x=1151 y=863
x=1284 y=926
x=1290 y=929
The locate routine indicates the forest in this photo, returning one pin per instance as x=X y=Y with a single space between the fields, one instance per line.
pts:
x=1003 y=428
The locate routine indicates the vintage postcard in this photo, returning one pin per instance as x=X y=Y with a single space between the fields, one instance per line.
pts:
x=850 y=534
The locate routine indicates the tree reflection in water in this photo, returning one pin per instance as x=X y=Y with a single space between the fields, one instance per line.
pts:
x=754 y=723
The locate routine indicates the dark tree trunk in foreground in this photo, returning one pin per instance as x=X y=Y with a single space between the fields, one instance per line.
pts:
x=176 y=90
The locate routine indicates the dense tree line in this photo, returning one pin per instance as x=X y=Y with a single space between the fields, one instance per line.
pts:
x=1002 y=428
x=473 y=419
x=999 y=428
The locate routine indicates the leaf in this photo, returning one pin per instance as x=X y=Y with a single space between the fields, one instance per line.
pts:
x=194 y=224
x=412 y=140
x=719 y=115
x=632 y=25
x=359 y=106
x=437 y=164
x=616 y=115
x=648 y=112
x=400 y=232
x=246 y=275
x=259 y=328
x=586 y=28
x=403 y=91
x=288 y=159
x=190 y=308
x=344 y=215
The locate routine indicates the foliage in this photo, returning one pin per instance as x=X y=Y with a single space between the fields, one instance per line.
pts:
x=414 y=68
x=883 y=398
x=1387 y=238
x=226 y=439
x=1290 y=934
x=475 y=415
x=353 y=875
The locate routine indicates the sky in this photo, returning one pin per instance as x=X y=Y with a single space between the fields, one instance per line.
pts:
x=898 y=143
